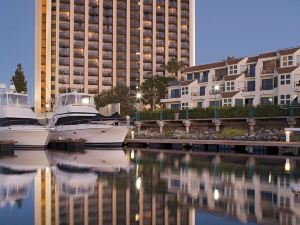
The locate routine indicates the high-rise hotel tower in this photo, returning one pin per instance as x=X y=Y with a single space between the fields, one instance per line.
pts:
x=94 y=45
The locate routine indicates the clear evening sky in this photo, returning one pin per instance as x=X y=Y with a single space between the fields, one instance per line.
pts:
x=223 y=28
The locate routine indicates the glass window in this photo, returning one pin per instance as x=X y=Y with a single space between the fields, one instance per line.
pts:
x=15 y=99
x=200 y=104
x=197 y=76
x=215 y=103
x=275 y=82
x=249 y=101
x=287 y=60
x=227 y=102
x=189 y=76
x=239 y=102
x=285 y=99
x=184 y=105
x=251 y=85
x=205 y=76
x=202 y=91
x=175 y=93
x=266 y=100
x=252 y=68
x=230 y=86
x=233 y=69
x=175 y=106
x=285 y=79
x=267 y=84
x=184 y=90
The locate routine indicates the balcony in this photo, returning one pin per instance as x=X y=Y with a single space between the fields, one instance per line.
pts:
x=64 y=26
x=94 y=11
x=78 y=62
x=64 y=52
x=64 y=34
x=94 y=28
x=93 y=72
x=107 y=64
x=64 y=17
x=79 y=9
x=79 y=18
x=79 y=27
x=93 y=82
x=63 y=71
x=78 y=71
x=94 y=19
x=79 y=44
x=93 y=54
x=79 y=35
x=93 y=45
x=93 y=64
x=64 y=61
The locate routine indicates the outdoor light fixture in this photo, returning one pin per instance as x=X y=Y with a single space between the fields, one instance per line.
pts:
x=138 y=183
x=217 y=87
x=270 y=178
x=85 y=101
x=287 y=166
x=138 y=95
x=216 y=194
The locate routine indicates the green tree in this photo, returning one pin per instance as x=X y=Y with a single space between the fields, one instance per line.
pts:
x=154 y=89
x=19 y=79
x=117 y=95
x=174 y=66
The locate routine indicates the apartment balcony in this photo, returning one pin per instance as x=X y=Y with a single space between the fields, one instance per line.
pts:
x=79 y=9
x=185 y=45
x=79 y=27
x=94 y=3
x=121 y=21
x=134 y=8
x=79 y=18
x=94 y=37
x=107 y=12
x=185 y=21
x=94 y=19
x=64 y=71
x=64 y=26
x=147 y=60
x=147 y=9
x=64 y=80
x=121 y=73
x=79 y=71
x=148 y=33
x=121 y=56
x=78 y=62
x=107 y=55
x=79 y=35
x=185 y=13
x=121 y=30
x=160 y=19
x=64 y=17
x=64 y=7
x=93 y=82
x=94 y=28
x=147 y=66
x=64 y=34
x=78 y=44
x=64 y=61
x=173 y=36
x=93 y=64
x=173 y=28
x=160 y=10
x=107 y=38
x=160 y=27
x=147 y=74
x=172 y=53
x=94 y=11
x=93 y=45
x=64 y=52
x=267 y=71
x=147 y=42
x=172 y=20
x=107 y=47
x=107 y=82
x=172 y=45
x=134 y=75
x=78 y=80
x=147 y=50
x=184 y=53
x=160 y=43
x=62 y=89
x=121 y=48
x=79 y=2
x=135 y=66
x=93 y=72
x=106 y=73
x=93 y=54
x=185 y=37
x=65 y=1
x=107 y=64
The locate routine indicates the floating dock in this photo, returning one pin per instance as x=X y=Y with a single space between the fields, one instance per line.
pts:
x=220 y=146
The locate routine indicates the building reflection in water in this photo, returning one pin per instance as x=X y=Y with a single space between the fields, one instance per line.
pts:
x=94 y=188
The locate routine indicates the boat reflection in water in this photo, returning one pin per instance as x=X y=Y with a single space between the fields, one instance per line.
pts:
x=104 y=187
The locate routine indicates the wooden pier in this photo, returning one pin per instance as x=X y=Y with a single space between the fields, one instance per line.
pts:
x=220 y=146
x=7 y=148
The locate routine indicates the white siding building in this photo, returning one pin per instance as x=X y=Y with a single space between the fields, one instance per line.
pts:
x=269 y=78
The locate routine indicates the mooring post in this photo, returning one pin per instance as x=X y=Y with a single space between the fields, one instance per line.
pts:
x=138 y=125
x=161 y=126
x=187 y=124
x=217 y=123
x=251 y=122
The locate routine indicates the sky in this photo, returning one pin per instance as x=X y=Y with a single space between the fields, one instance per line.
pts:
x=223 y=28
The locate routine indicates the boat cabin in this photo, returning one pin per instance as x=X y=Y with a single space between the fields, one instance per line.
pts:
x=76 y=99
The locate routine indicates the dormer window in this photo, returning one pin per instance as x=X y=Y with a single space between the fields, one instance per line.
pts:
x=233 y=69
x=230 y=86
x=287 y=60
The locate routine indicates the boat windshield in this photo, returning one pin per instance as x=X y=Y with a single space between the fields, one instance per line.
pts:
x=76 y=99
x=14 y=99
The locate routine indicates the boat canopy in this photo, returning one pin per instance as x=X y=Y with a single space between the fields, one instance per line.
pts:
x=10 y=98
x=76 y=99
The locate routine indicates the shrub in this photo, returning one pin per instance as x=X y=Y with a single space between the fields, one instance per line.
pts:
x=231 y=132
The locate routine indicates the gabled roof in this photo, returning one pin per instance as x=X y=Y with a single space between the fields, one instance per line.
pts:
x=229 y=94
x=286 y=69
x=267 y=55
x=288 y=51
x=231 y=77
x=252 y=59
x=205 y=67
x=186 y=83
x=234 y=61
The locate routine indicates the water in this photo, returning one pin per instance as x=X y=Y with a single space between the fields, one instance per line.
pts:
x=137 y=187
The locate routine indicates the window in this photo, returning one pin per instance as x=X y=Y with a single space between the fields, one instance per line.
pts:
x=266 y=100
x=249 y=101
x=285 y=79
x=197 y=76
x=252 y=68
x=230 y=86
x=215 y=103
x=200 y=104
x=251 y=85
x=189 y=76
x=227 y=102
x=269 y=66
x=275 y=82
x=285 y=99
x=205 y=76
x=233 y=69
x=267 y=84
x=287 y=60
x=175 y=93
x=184 y=105
x=202 y=91
x=184 y=90
x=239 y=102
x=175 y=106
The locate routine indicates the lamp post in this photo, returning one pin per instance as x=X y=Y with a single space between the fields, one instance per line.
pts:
x=138 y=97
x=216 y=90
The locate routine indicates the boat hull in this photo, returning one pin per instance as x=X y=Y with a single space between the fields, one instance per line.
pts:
x=94 y=135
x=26 y=136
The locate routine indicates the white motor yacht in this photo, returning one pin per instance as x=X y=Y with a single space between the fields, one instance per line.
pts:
x=75 y=117
x=19 y=123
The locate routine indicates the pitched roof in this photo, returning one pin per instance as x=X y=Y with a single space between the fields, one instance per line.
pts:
x=205 y=67
x=186 y=83
x=252 y=59
x=229 y=94
x=234 y=61
x=286 y=69
x=288 y=51
x=231 y=77
x=267 y=55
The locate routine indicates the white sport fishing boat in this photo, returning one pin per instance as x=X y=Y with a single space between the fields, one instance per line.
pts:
x=75 y=117
x=18 y=122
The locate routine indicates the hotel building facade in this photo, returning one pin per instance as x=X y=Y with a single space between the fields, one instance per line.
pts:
x=94 y=45
x=269 y=78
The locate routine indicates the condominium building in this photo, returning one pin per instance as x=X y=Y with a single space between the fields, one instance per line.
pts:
x=269 y=78
x=94 y=45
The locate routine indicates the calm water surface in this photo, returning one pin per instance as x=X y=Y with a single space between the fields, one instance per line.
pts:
x=130 y=187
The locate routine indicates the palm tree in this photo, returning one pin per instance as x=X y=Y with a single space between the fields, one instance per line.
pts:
x=174 y=66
